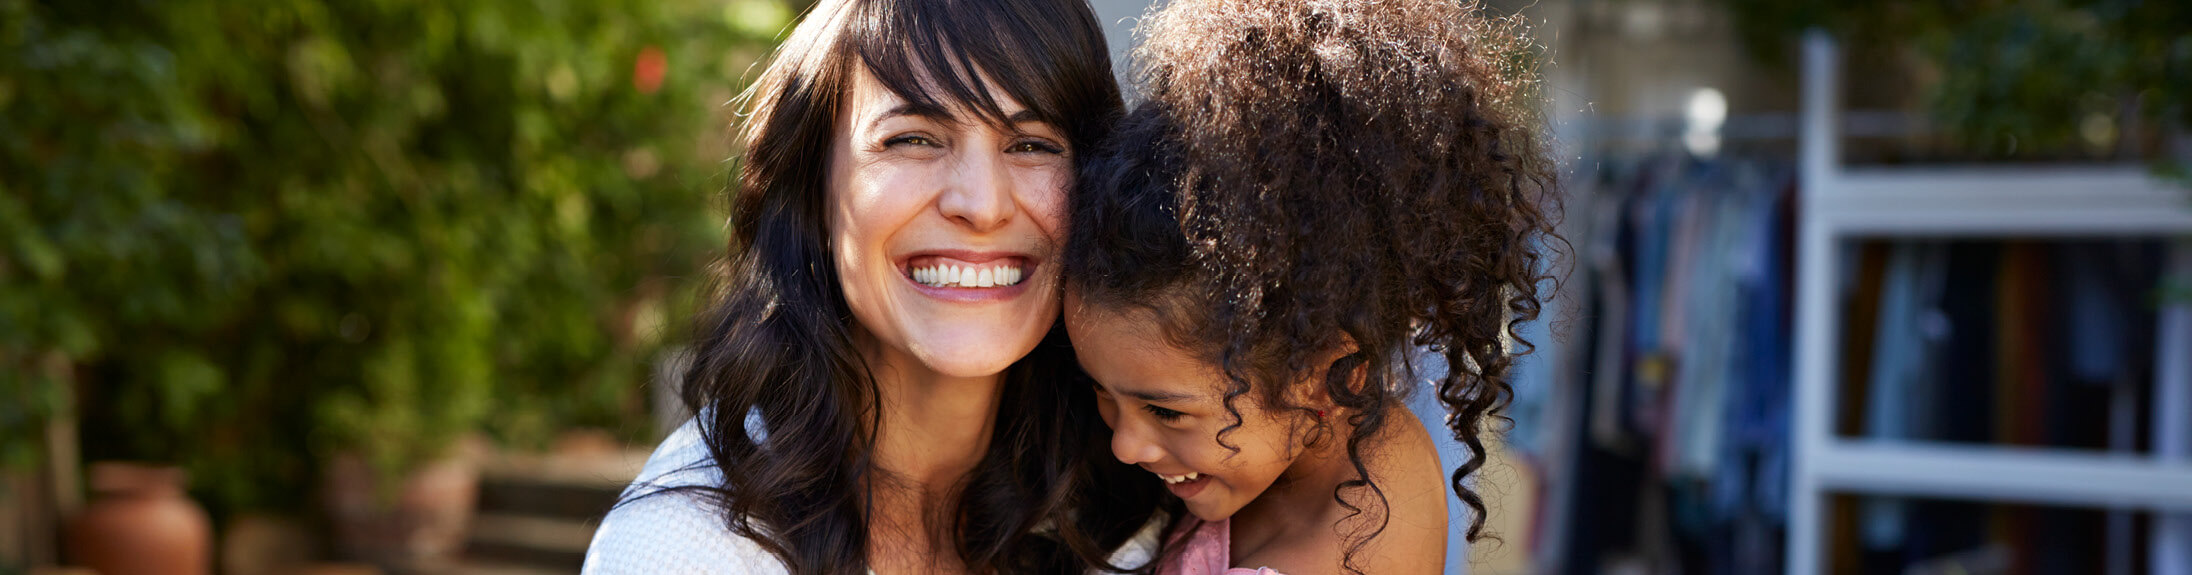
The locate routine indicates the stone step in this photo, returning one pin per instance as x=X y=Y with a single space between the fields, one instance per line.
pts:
x=520 y=540
x=484 y=567
x=546 y=499
x=539 y=512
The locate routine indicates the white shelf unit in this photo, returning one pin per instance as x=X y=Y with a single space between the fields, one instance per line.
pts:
x=1841 y=204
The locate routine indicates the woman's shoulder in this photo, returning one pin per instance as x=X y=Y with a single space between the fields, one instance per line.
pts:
x=681 y=460
x=672 y=533
x=656 y=528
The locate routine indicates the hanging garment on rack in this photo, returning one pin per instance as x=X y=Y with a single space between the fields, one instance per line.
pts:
x=1905 y=345
x=1689 y=261
x=1755 y=463
x=2016 y=342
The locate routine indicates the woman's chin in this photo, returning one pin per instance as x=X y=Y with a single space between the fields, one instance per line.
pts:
x=960 y=368
x=969 y=356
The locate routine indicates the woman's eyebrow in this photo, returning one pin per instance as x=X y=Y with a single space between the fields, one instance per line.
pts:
x=1019 y=119
x=941 y=115
x=914 y=109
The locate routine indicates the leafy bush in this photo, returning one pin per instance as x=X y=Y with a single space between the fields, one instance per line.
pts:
x=255 y=234
x=2040 y=74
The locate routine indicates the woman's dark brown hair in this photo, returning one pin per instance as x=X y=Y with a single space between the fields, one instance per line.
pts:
x=778 y=342
x=1309 y=177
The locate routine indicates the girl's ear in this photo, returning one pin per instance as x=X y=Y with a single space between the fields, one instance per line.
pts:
x=1318 y=396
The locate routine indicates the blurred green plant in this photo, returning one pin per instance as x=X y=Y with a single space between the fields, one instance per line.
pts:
x=2010 y=74
x=250 y=235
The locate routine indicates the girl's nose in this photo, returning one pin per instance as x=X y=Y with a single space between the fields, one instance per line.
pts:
x=1133 y=448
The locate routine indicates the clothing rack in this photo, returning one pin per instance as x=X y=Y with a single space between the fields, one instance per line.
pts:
x=1838 y=209
x=1602 y=438
x=1761 y=127
x=1842 y=203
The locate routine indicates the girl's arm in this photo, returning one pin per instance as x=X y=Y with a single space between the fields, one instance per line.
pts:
x=1415 y=487
x=1414 y=542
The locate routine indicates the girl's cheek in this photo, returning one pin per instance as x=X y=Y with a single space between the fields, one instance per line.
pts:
x=1107 y=411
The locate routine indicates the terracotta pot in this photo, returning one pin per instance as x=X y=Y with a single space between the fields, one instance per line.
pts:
x=417 y=526
x=139 y=522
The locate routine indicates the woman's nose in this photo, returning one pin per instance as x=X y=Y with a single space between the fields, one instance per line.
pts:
x=1132 y=447
x=980 y=194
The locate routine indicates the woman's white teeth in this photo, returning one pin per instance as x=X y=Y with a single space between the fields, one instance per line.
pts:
x=1178 y=479
x=967 y=276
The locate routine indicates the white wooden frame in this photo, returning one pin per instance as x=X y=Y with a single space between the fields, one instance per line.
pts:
x=1841 y=204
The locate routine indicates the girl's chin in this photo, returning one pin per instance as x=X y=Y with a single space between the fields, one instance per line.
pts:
x=1208 y=512
x=1215 y=503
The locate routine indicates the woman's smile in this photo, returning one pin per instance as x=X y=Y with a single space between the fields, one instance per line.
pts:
x=969 y=276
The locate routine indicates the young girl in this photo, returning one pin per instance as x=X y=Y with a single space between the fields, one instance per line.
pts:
x=1311 y=192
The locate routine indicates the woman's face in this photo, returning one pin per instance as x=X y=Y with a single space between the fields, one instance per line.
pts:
x=1166 y=408
x=944 y=228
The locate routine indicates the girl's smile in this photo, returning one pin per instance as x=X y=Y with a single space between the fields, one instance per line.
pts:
x=1185 y=486
x=1168 y=414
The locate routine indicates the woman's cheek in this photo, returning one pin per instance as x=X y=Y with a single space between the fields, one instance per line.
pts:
x=1043 y=194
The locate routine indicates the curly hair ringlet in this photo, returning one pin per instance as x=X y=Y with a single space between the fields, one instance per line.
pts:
x=778 y=344
x=1311 y=178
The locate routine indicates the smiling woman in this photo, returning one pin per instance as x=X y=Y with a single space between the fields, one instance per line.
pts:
x=877 y=383
x=966 y=197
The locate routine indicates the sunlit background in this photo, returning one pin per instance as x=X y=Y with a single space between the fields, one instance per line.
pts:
x=389 y=286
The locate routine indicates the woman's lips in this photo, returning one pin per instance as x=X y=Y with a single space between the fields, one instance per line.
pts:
x=968 y=276
x=940 y=272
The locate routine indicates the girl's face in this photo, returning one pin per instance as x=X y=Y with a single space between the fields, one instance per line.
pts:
x=943 y=229
x=1166 y=408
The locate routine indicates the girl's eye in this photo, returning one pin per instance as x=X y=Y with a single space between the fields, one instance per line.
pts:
x=1162 y=414
x=1034 y=147
x=911 y=140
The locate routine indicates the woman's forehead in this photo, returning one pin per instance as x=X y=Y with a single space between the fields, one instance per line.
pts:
x=874 y=101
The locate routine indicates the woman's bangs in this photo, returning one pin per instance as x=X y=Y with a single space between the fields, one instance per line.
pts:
x=938 y=55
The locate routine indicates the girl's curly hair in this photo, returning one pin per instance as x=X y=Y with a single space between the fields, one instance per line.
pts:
x=1311 y=177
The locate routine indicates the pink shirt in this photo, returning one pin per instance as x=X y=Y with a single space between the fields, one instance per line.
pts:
x=1206 y=550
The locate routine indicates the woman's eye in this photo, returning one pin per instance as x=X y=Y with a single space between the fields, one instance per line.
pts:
x=1035 y=147
x=911 y=140
x=1163 y=414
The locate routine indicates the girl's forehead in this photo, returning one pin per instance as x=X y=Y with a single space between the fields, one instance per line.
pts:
x=1117 y=332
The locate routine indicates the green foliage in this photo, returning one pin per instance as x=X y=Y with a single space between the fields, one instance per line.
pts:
x=259 y=233
x=2049 y=74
